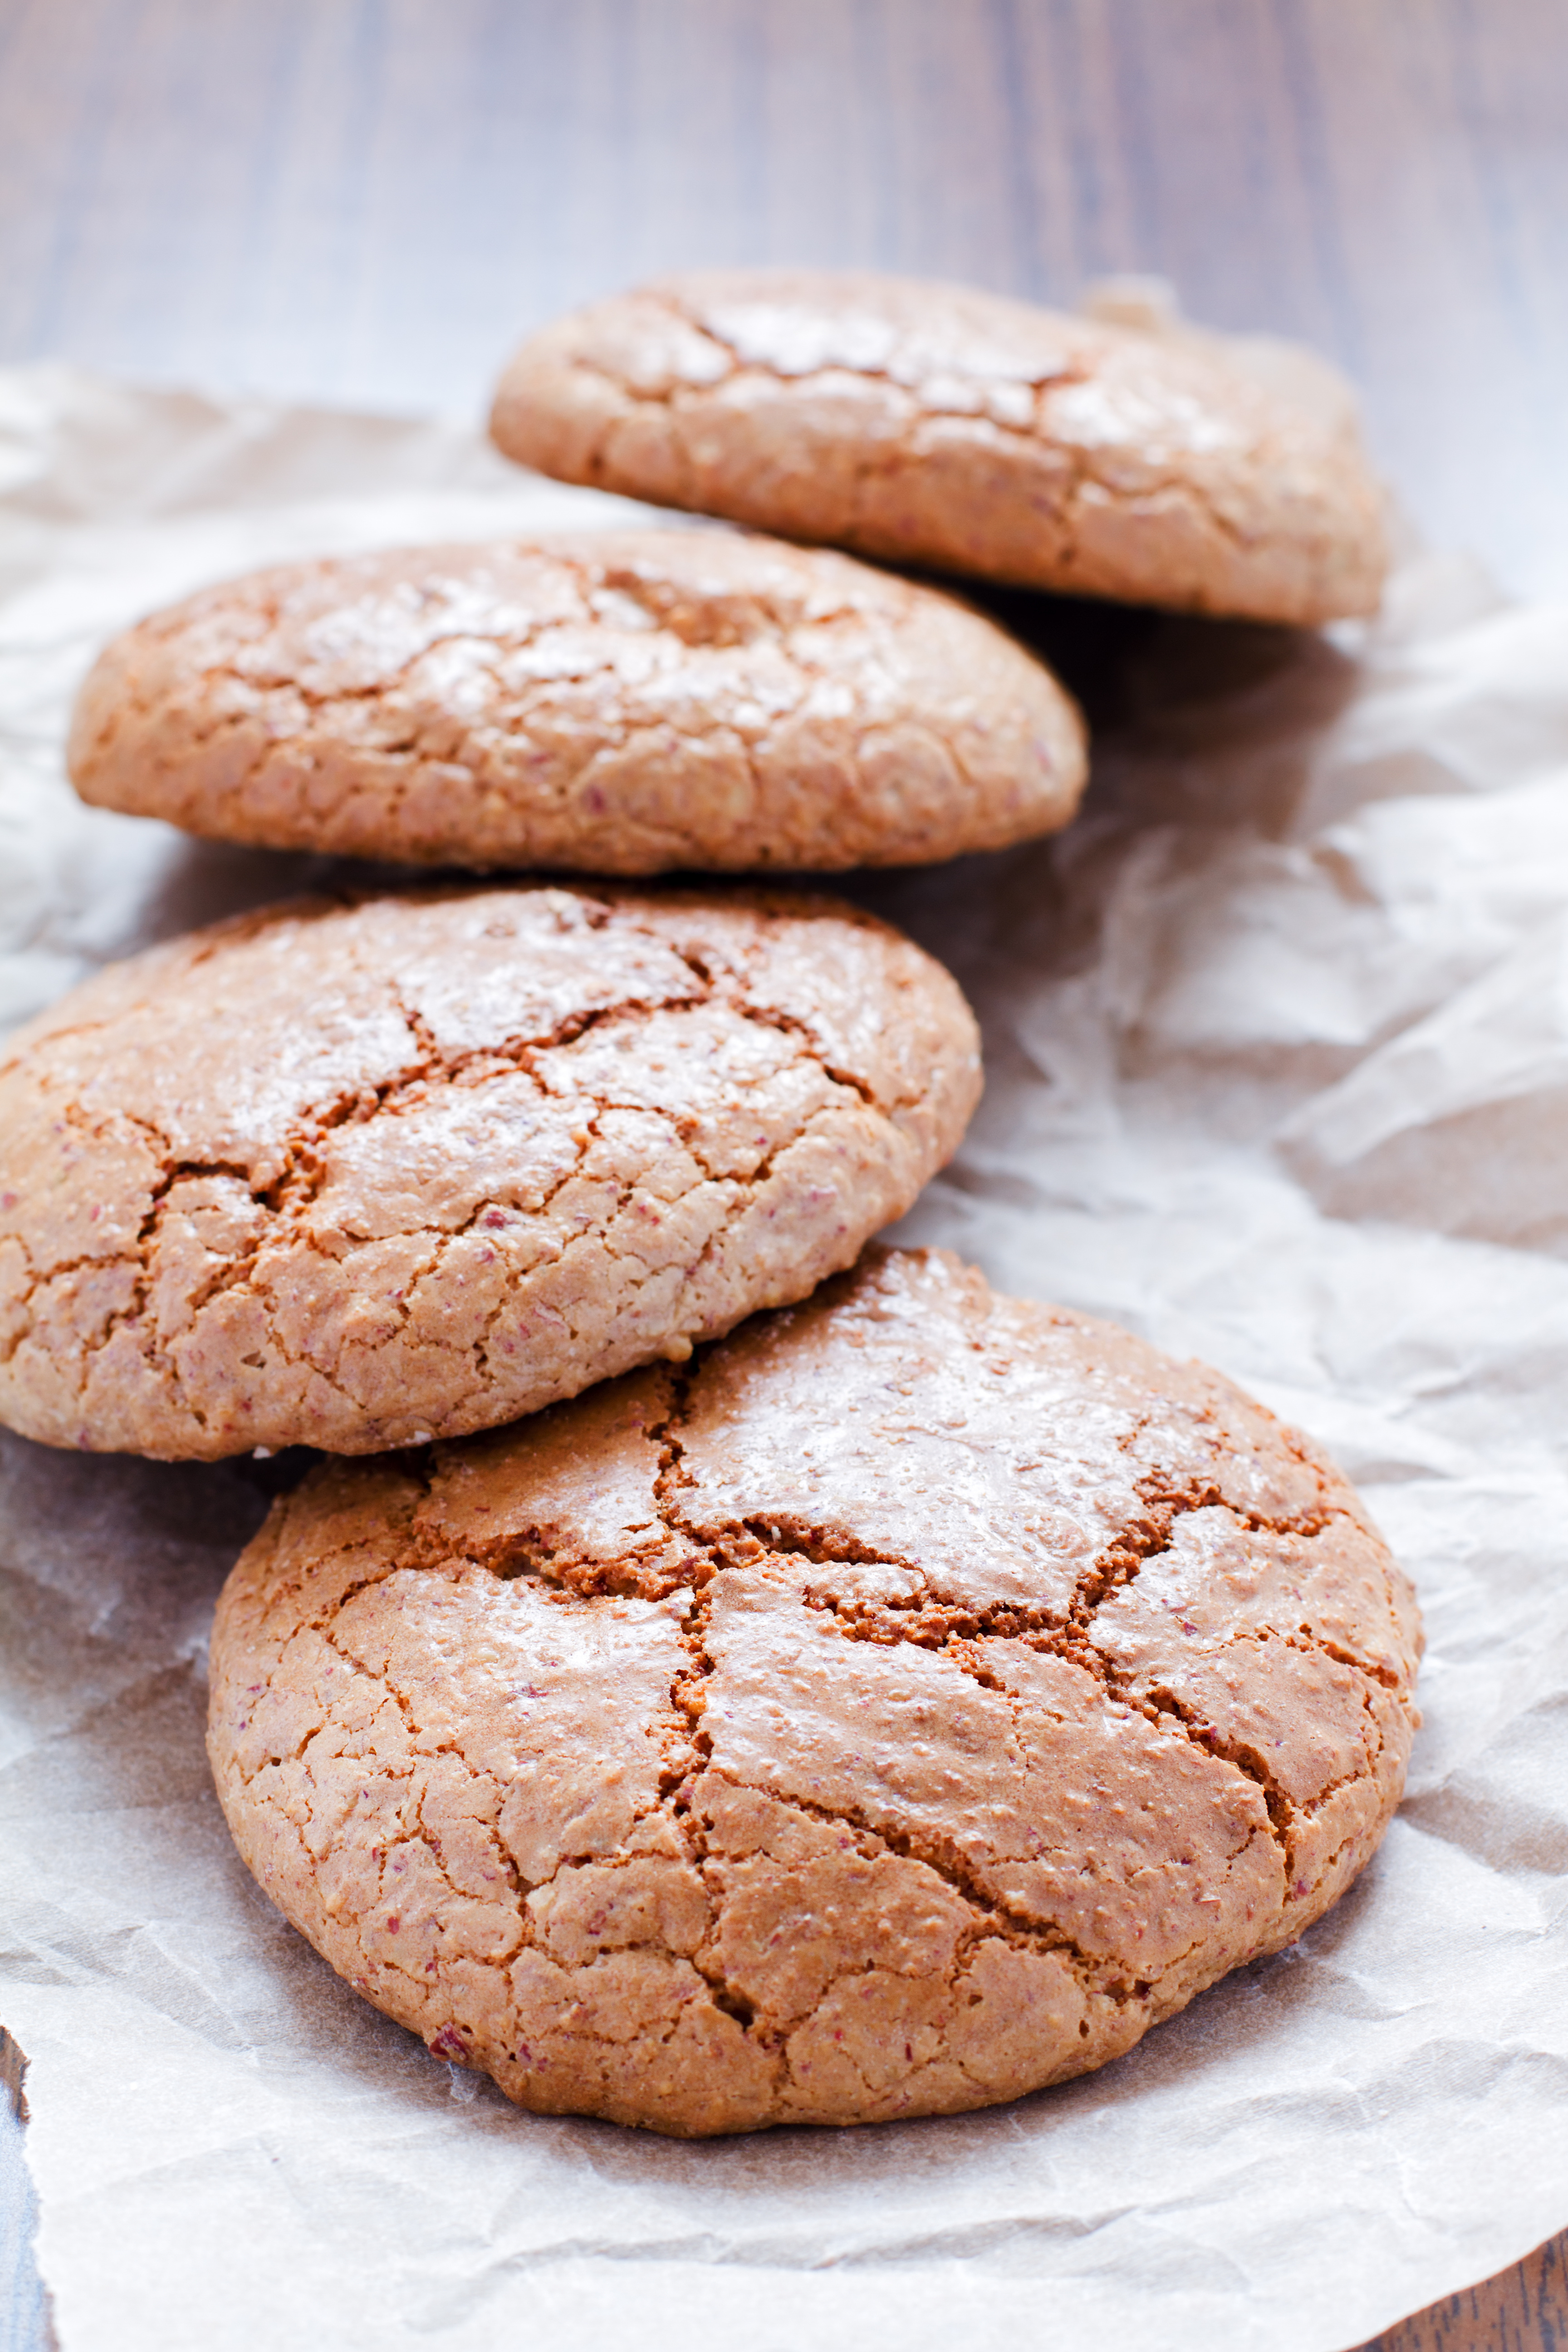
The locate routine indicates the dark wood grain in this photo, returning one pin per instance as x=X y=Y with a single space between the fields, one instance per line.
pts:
x=369 y=200
x=1524 y=2310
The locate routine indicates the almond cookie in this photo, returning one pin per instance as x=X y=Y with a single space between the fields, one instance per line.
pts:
x=622 y=703
x=937 y=425
x=901 y=1707
x=354 y=1175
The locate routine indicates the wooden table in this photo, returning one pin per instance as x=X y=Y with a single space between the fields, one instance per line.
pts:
x=367 y=201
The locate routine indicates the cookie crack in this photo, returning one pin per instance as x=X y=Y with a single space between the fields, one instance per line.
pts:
x=140 y=1257
x=431 y=733
x=423 y=1750
x=1069 y=371
x=1376 y=1670
x=949 y=1627
x=790 y=1025
x=1253 y=447
x=285 y=1196
x=1012 y=1924
x=1159 y=1704
x=730 y=987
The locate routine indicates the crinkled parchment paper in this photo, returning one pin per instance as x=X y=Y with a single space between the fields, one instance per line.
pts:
x=1277 y=1042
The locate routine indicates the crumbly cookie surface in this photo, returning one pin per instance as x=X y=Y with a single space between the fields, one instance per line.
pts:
x=900 y=1708
x=938 y=424
x=356 y=1174
x=620 y=703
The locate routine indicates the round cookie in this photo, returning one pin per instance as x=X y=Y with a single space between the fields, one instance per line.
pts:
x=937 y=425
x=355 y=1174
x=900 y=1708
x=623 y=703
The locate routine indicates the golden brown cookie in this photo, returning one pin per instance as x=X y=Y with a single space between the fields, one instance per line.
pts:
x=354 y=1174
x=900 y=1708
x=937 y=425
x=622 y=703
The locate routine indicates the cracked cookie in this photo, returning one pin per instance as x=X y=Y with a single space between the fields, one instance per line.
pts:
x=900 y=1707
x=357 y=1173
x=622 y=703
x=937 y=425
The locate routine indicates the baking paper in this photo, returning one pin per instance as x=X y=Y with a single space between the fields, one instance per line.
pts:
x=1278 y=1048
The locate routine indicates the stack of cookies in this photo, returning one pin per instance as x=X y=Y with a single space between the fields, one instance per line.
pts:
x=757 y=1678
